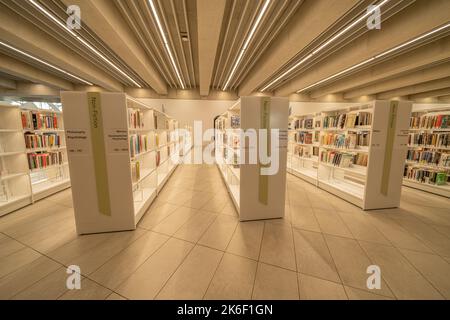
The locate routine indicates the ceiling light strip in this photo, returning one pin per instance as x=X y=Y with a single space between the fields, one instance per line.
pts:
x=166 y=43
x=326 y=44
x=84 y=42
x=247 y=42
x=45 y=63
x=378 y=56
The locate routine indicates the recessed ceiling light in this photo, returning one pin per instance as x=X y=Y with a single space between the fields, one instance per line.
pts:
x=166 y=43
x=45 y=63
x=247 y=42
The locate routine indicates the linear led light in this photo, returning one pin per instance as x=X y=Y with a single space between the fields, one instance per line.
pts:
x=246 y=43
x=326 y=43
x=80 y=39
x=45 y=63
x=166 y=43
x=378 y=56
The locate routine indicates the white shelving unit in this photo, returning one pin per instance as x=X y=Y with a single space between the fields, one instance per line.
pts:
x=15 y=186
x=49 y=142
x=303 y=146
x=120 y=158
x=255 y=196
x=427 y=165
x=360 y=152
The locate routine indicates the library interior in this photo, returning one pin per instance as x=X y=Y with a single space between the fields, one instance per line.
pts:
x=225 y=149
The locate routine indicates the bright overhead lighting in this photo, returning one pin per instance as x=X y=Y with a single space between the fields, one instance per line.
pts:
x=45 y=63
x=166 y=43
x=84 y=42
x=326 y=43
x=378 y=56
x=247 y=42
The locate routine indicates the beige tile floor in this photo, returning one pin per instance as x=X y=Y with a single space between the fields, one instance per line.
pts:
x=190 y=245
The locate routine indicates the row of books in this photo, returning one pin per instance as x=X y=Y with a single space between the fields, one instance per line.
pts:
x=351 y=140
x=235 y=122
x=429 y=157
x=39 y=160
x=427 y=176
x=304 y=123
x=338 y=159
x=46 y=140
x=38 y=121
x=138 y=144
x=429 y=139
x=135 y=171
x=441 y=121
x=304 y=152
x=347 y=120
x=135 y=119
x=303 y=137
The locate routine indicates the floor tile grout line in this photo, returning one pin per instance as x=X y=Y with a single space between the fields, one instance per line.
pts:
x=423 y=275
x=217 y=267
x=296 y=262
x=372 y=261
x=140 y=265
x=175 y=271
x=258 y=261
x=335 y=265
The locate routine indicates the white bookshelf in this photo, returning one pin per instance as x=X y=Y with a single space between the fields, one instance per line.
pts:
x=46 y=179
x=303 y=160
x=355 y=161
x=426 y=168
x=253 y=199
x=114 y=178
x=15 y=186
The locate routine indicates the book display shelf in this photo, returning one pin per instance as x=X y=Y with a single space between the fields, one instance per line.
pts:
x=45 y=145
x=427 y=164
x=33 y=159
x=15 y=185
x=120 y=157
x=355 y=152
x=303 y=146
x=266 y=200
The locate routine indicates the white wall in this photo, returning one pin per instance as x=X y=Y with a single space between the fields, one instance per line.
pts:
x=187 y=111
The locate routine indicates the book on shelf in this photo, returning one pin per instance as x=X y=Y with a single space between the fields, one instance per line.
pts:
x=426 y=176
x=158 y=158
x=135 y=171
x=303 y=137
x=343 y=159
x=34 y=120
x=429 y=139
x=138 y=144
x=40 y=160
x=135 y=119
x=235 y=122
x=436 y=121
x=45 y=140
x=428 y=157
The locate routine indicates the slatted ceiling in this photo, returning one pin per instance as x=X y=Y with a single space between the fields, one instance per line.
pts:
x=26 y=10
x=275 y=23
x=240 y=15
x=389 y=10
x=137 y=18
